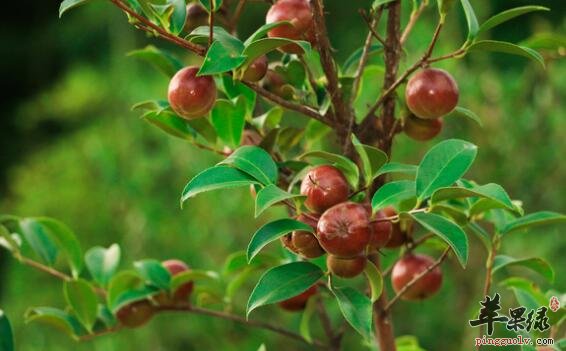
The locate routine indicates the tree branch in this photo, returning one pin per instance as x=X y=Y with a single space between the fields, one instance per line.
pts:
x=382 y=320
x=412 y=21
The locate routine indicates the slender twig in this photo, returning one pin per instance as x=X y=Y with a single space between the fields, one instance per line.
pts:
x=371 y=26
x=420 y=241
x=208 y=148
x=382 y=320
x=396 y=217
x=412 y=21
x=418 y=277
x=211 y=24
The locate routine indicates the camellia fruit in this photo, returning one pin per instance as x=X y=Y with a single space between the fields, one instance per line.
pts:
x=343 y=230
x=176 y=267
x=135 y=314
x=256 y=70
x=196 y=17
x=346 y=267
x=422 y=129
x=380 y=231
x=431 y=93
x=300 y=16
x=299 y=302
x=191 y=96
x=398 y=235
x=287 y=242
x=305 y=242
x=408 y=268
x=324 y=187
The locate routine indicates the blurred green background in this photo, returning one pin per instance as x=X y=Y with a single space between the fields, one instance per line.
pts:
x=72 y=149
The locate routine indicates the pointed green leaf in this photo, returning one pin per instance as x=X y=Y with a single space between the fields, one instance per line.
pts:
x=392 y=193
x=193 y=276
x=219 y=177
x=219 y=60
x=165 y=62
x=80 y=295
x=228 y=119
x=254 y=161
x=210 y=5
x=260 y=47
x=535 y=264
x=349 y=168
x=179 y=15
x=356 y=309
x=262 y=31
x=395 y=167
x=447 y=231
x=375 y=280
x=120 y=283
x=272 y=231
x=154 y=273
x=464 y=112
x=269 y=196
x=473 y=26
x=169 y=123
x=533 y=219
x=102 y=263
x=6 y=337
x=507 y=48
x=67 y=5
x=508 y=15
x=56 y=318
x=372 y=159
x=283 y=282
x=490 y=191
x=444 y=164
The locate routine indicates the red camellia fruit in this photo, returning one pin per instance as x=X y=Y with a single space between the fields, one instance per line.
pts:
x=300 y=16
x=346 y=267
x=422 y=129
x=256 y=70
x=135 y=314
x=431 y=93
x=380 y=231
x=299 y=302
x=398 y=236
x=176 y=267
x=191 y=96
x=324 y=187
x=408 y=268
x=343 y=230
x=306 y=243
x=287 y=242
x=196 y=17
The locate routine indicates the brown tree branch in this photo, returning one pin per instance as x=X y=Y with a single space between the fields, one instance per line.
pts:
x=382 y=320
x=412 y=21
x=372 y=23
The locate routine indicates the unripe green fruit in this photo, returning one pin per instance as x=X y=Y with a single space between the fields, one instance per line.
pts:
x=346 y=267
x=191 y=96
x=431 y=93
x=411 y=266
x=135 y=314
x=299 y=302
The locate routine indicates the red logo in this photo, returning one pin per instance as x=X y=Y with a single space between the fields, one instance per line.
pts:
x=554 y=304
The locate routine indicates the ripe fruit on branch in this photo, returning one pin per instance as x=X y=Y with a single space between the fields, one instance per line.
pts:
x=380 y=231
x=191 y=96
x=298 y=302
x=306 y=243
x=176 y=267
x=408 y=268
x=196 y=17
x=324 y=187
x=256 y=70
x=135 y=314
x=343 y=230
x=287 y=242
x=431 y=93
x=398 y=234
x=276 y=84
x=422 y=129
x=300 y=16
x=346 y=267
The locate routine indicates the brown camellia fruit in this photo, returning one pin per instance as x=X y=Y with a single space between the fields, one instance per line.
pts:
x=409 y=267
x=398 y=235
x=306 y=243
x=422 y=129
x=176 y=267
x=287 y=242
x=299 y=302
x=343 y=230
x=135 y=314
x=300 y=16
x=380 y=232
x=196 y=17
x=431 y=93
x=324 y=186
x=256 y=70
x=191 y=96
x=346 y=267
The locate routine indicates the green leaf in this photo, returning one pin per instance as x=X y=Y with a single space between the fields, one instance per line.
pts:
x=254 y=161
x=154 y=273
x=121 y=283
x=353 y=60
x=508 y=15
x=102 y=263
x=228 y=119
x=545 y=41
x=444 y=164
x=473 y=26
x=55 y=317
x=80 y=295
x=179 y=15
x=260 y=47
x=6 y=337
x=306 y=317
x=160 y=59
x=535 y=264
x=208 y=4
x=372 y=159
x=507 y=48
x=219 y=177
x=131 y=296
x=356 y=309
x=490 y=191
x=395 y=167
x=269 y=196
x=392 y=193
x=375 y=280
x=367 y=93
x=238 y=260
x=272 y=231
x=170 y=124
x=533 y=219
x=347 y=166
x=463 y=112
x=262 y=31
x=484 y=236
x=219 y=60
x=235 y=89
x=526 y=292
x=67 y=5
x=269 y=120
x=283 y=282
x=228 y=41
x=447 y=231
x=407 y=343
x=48 y=237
